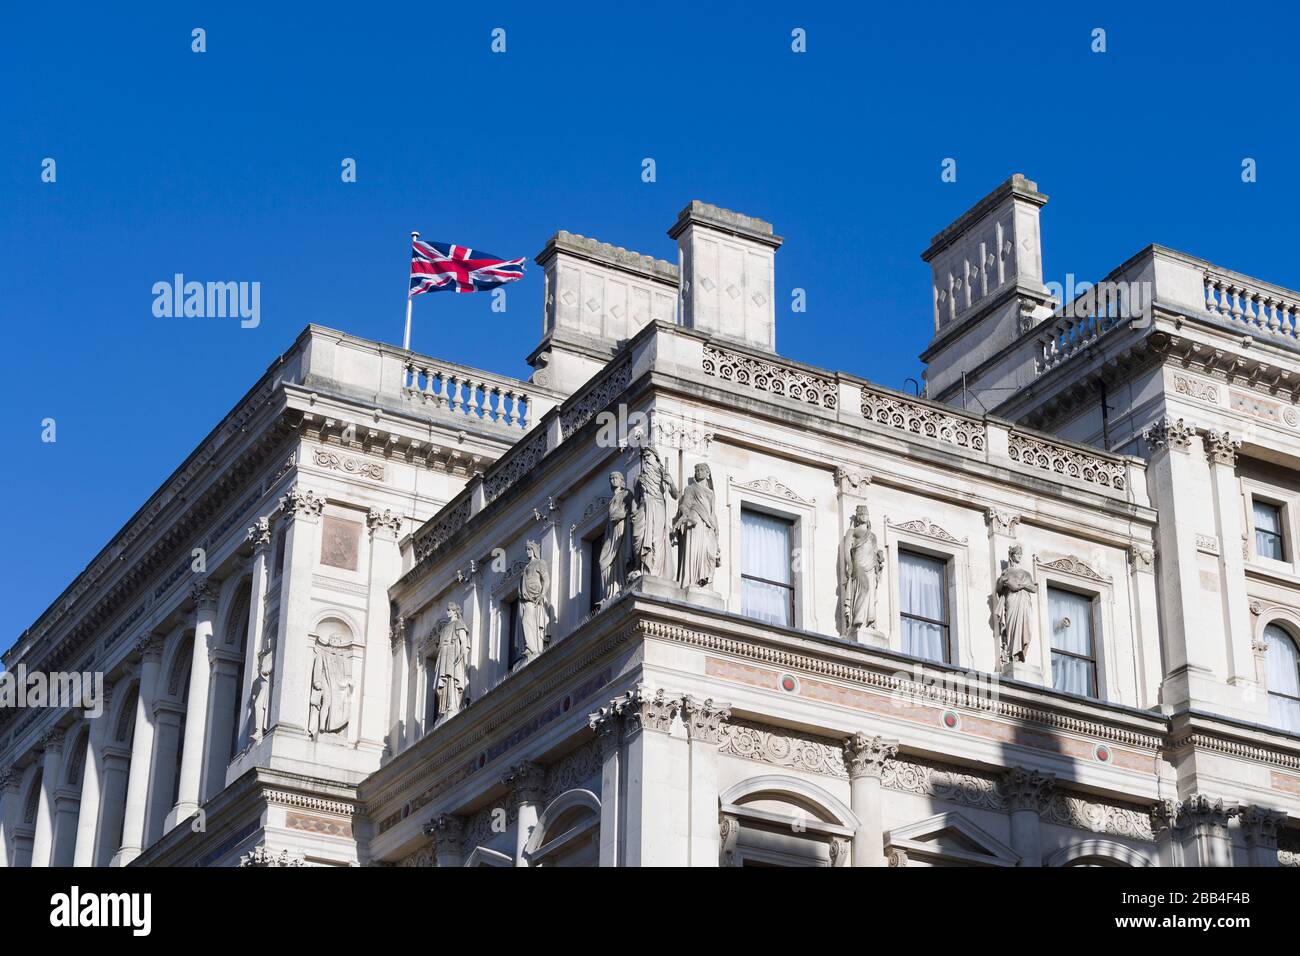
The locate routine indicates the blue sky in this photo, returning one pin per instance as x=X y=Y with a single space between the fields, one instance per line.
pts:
x=225 y=166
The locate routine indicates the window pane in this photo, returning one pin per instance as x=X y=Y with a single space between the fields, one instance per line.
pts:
x=765 y=602
x=1070 y=618
x=1072 y=675
x=922 y=639
x=1282 y=662
x=765 y=547
x=921 y=586
x=1268 y=517
x=1268 y=531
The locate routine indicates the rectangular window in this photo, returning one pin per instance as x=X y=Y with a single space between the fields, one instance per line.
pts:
x=923 y=605
x=1074 y=658
x=766 y=575
x=1269 y=540
x=512 y=628
x=593 y=570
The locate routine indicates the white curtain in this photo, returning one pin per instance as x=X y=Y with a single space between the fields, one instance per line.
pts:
x=1070 y=619
x=1268 y=530
x=765 y=553
x=921 y=592
x=1283 y=677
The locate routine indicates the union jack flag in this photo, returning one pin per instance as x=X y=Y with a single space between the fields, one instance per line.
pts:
x=436 y=266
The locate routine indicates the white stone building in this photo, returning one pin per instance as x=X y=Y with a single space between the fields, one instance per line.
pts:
x=1068 y=636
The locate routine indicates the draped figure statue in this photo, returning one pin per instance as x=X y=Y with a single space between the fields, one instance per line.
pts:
x=1014 y=607
x=650 y=520
x=696 y=530
x=451 y=666
x=861 y=562
x=616 y=551
x=534 y=595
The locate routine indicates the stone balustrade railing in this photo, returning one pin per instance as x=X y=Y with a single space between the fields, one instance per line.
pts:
x=465 y=392
x=1258 y=310
x=1062 y=336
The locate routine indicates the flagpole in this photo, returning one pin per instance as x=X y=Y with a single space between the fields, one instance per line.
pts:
x=406 y=338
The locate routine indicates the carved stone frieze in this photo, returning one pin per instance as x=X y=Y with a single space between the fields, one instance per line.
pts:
x=783 y=748
x=262 y=857
x=919 y=419
x=1068 y=462
x=775 y=378
x=348 y=465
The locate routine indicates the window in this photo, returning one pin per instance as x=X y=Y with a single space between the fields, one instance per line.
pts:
x=923 y=605
x=766 y=577
x=1074 y=661
x=594 y=584
x=513 y=631
x=1269 y=540
x=1283 y=678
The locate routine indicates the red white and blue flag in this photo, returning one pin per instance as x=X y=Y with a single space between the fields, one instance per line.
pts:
x=438 y=266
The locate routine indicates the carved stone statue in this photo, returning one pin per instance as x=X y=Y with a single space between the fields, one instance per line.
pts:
x=860 y=565
x=650 y=521
x=534 y=591
x=616 y=552
x=1014 y=606
x=331 y=689
x=260 y=699
x=696 y=530
x=451 y=666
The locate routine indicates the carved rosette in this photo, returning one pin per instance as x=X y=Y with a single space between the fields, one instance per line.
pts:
x=1026 y=789
x=262 y=857
x=205 y=593
x=865 y=756
x=300 y=502
x=384 y=522
x=1260 y=825
x=1167 y=433
x=646 y=709
x=1001 y=522
x=448 y=833
x=704 y=720
x=259 y=534
x=1220 y=447
x=527 y=780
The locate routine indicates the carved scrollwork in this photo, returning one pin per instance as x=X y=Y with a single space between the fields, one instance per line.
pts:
x=771 y=377
x=447 y=525
x=922 y=420
x=1067 y=462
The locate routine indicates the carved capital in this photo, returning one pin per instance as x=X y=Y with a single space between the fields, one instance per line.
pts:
x=448 y=833
x=10 y=779
x=1001 y=522
x=51 y=740
x=1220 y=447
x=840 y=850
x=300 y=502
x=1141 y=558
x=150 y=647
x=607 y=724
x=1196 y=812
x=729 y=834
x=704 y=719
x=865 y=756
x=646 y=709
x=205 y=593
x=1026 y=789
x=1168 y=433
x=898 y=857
x=852 y=482
x=1259 y=825
x=259 y=534
x=397 y=630
x=527 y=780
x=384 y=522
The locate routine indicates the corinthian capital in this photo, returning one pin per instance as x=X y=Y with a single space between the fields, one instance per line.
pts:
x=1259 y=825
x=1221 y=447
x=448 y=832
x=205 y=592
x=300 y=502
x=1026 y=789
x=646 y=709
x=865 y=756
x=384 y=521
x=1169 y=433
x=704 y=719
x=10 y=778
x=527 y=779
x=150 y=647
x=259 y=535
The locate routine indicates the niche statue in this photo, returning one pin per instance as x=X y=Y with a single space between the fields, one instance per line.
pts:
x=650 y=520
x=534 y=590
x=860 y=565
x=696 y=530
x=1014 y=607
x=451 y=666
x=616 y=552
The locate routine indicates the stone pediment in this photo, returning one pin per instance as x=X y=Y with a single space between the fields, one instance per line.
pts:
x=950 y=839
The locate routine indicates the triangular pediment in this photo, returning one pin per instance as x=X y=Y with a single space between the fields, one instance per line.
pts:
x=953 y=839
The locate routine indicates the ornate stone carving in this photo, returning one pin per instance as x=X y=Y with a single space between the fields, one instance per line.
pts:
x=852 y=482
x=699 y=552
x=385 y=520
x=729 y=836
x=772 y=486
x=919 y=419
x=1088 y=813
x=771 y=377
x=940 y=782
x=616 y=549
x=10 y=779
x=646 y=709
x=839 y=850
x=1068 y=462
x=259 y=535
x=348 y=465
x=1220 y=447
x=397 y=630
x=926 y=528
x=704 y=719
x=451 y=666
x=594 y=399
x=528 y=780
x=300 y=502
x=1073 y=565
x=1001 y=522
x=1196 y=812
x=150 y=647
x=1013 y=607
x=782 y=748
x=1141 y=558
x=654 y=485
x=329 y=705
x=205 y=593
x=575 y=769
x=534 y=602
x=1260 y=826
x=607 y=724
x=262 y=857
x=1026 y=789
x=1169 y=433
x=51 y=739
x=515 y=465
x=897 y=857
x=446 y=525
x=861 y=563
x=866 y=756
x=448 y=833
x=1194 y=388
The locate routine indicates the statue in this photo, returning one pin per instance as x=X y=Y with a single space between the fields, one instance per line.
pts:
x=616 y=552
x=1014 y=606
x=534 y=590
x=650 y=521
x=331 y=690
x=860 y=565
x=451 y=666
x=696 y=530
x=260 y=698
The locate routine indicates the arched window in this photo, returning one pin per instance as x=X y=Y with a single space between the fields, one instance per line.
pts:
x=1283 y=677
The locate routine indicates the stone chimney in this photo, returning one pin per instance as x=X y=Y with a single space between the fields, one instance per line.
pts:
x=987 y=270
x=597 y=297
x=727 y=274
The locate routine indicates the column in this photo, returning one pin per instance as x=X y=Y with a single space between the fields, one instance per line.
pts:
x=650 y=820
x=10 y=780
x=1027 y=791
x=1221 y=453
x=112 y=789
x=137 y=781
x=385 y=569
x=448 y=832
x=865 y=758
x=526 y=779
x=608 y=726
x=51 y=769
x=259 y=535
x=704 y=721
x=1259 y=825
x=88 y=817
x=204 y=593
x=302 y=510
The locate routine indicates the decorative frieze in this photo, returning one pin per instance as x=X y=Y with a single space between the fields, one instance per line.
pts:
x=348 y=465
x=918 y=419
x=782 y=748
x=262 y=857
x=936 y=781
x=594 y=400
x=775 y=378
x=1083 y=813
x=1195 y=388
x=574 y=769
x=1067 y=462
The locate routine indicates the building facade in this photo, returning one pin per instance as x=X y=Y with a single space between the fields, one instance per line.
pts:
x=678 y=600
